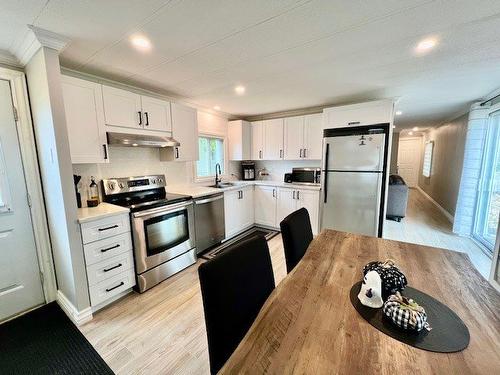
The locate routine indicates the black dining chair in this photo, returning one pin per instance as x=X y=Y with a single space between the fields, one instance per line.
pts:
x=234 y=286
x=296 y=233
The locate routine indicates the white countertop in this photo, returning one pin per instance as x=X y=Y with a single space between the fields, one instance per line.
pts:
x=199 y=190
x=86 y=214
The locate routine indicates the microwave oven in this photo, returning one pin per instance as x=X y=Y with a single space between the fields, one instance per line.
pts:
x=306 y=176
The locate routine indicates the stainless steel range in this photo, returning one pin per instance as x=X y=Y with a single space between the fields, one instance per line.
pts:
x=162 y=226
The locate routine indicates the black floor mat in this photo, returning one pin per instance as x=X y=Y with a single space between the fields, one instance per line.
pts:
x=267 y=233
x=45 y=341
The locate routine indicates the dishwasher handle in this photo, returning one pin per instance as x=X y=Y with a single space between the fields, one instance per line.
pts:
x=208 y=200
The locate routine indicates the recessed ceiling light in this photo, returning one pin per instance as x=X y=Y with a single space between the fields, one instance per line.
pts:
x=426 y=45
x=216 y=107
x=240 y=90
x=415 y=128
x=394 y=126
x=141 y=42
x=135 y=144
x=399 y=113
x=410 y=133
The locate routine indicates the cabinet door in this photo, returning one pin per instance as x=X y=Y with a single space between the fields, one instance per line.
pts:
x=156 y=114
x=273 y=139
x=257 y=140
x=231 y=212
x=85 y=121
x=185 y=131
x=265 y=205
x=287 y=203
x=239 y=136
x=369 y=113
x=309 y=199
x=247 y=207
x=313 y=137
x=294 y=138
x=122 y=108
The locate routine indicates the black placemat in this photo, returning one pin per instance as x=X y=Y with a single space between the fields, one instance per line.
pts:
x=449 y=334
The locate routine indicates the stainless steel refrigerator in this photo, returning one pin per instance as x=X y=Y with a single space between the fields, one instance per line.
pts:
x=354 y=165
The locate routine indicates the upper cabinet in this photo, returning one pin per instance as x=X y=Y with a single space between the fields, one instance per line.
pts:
x=239 y=135
x=303 y=137
x=130 y=110
x=185 y=131
x=369 y=113
x=313 y=137
x=84 y=120
x=257 y=139
x=294 y=137
x=273 y=139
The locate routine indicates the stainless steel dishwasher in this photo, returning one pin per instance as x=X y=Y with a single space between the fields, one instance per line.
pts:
x=209 y=222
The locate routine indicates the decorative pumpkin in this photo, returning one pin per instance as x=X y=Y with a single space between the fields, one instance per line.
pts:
x=405 y=313
x=393 y=280
x=371 y=290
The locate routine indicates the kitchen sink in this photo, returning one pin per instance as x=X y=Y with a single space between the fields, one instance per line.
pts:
x=222 y=185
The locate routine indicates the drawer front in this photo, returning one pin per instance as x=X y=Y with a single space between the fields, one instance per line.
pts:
x=108 y=268
x=104 y=228
x=108 y=288
x=101 y=250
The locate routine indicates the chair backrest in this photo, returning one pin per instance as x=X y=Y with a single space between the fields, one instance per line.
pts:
x=234 y=286
x=296 y=233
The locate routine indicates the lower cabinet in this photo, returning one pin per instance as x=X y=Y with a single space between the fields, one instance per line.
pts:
x=107 y=245
x=238 y=210
x=265 y=198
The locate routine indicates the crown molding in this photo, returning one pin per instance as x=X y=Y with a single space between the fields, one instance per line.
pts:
x=7 y=58
x=35 y=39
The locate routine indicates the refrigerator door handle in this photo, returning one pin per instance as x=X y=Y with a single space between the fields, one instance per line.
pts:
x=325 y=179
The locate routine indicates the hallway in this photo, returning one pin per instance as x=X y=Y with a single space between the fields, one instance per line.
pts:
x=425 y=224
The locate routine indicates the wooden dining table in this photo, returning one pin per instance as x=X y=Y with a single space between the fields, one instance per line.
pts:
x=309 y=326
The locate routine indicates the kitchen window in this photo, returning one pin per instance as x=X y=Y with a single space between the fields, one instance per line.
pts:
x=488 y=199
x=211 y=150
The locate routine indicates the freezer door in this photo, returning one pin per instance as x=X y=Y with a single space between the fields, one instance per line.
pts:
x=354 y=152
x=352 y=202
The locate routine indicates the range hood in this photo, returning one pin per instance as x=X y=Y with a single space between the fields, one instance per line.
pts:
x=139 y=140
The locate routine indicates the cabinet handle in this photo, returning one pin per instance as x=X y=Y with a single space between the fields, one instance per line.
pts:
x=119 y=285
x=112 y=268
x=260 y=154
x=305 y=152
x=147 y=118
x=298 y=195
x=300 y=153
x=177 y=152
x=281 y=154
x=354 y=123
x=140 y=118
x=109 y=248
x=108 y=228
x=294 y=194
x=105 y=152
x=274 y=193
x=241 y=191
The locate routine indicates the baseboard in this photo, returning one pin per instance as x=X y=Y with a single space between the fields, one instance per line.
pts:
x=445 y=213
x=78 y=317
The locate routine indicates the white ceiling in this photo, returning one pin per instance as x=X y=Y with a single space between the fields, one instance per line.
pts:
x=288 y=53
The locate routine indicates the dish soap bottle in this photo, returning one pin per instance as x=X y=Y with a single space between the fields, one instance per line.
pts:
x=93 y=200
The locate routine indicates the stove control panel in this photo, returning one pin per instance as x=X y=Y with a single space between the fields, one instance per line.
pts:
x=129 y=184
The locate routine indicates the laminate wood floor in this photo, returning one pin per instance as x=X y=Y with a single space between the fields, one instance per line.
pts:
x=425 y=224
x=161 y=331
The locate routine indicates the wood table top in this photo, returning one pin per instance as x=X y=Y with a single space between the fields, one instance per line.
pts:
x=308 y=325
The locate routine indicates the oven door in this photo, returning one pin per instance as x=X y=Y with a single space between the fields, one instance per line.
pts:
x=161 y=234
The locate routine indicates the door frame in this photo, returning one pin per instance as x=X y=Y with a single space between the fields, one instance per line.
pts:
x=29 y=158
x=420 y=139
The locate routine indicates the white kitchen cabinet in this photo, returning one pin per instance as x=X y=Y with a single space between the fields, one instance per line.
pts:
x=238 y=210
x=369 y=113
x=156 y=114
x=122 y=108
x=239 y=135
x=185 y=131
x=273 y=139
x=286 y=204
x=290 y=200
x=294 y=138
x=313 y=137
x=257 y=151
x=265 y=201
x=85 y=121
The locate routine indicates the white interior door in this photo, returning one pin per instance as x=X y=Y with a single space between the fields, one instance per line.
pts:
x=20 y=284
x=409 y=160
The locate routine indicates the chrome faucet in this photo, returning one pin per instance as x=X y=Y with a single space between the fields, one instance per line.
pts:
x=217 y=174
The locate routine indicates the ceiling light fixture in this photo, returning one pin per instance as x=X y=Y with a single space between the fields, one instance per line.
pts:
x=240 y=90
x=216 y=107
x=399 y=113
x=394 y=126
x=141 y=43
x=410 y=133
x=135 y=144
x=415 y=128
x=426 y=45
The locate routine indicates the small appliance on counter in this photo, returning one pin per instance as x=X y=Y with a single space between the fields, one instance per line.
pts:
x=304 y=176
x=248 y=170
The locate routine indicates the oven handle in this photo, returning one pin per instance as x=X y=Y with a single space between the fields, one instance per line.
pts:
x=163 y=210
x=208 y=200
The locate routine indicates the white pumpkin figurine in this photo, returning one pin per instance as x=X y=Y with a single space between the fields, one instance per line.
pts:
x=371 y=290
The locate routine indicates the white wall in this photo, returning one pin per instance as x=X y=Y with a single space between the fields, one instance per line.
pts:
x=49 y=121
